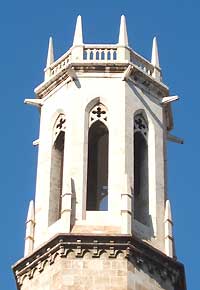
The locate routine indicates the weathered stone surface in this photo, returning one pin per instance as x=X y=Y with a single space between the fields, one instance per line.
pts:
x=98 y=262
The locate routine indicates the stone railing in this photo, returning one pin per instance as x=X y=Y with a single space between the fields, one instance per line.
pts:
x=60 y=64
x=100 y=52
x=141 y=62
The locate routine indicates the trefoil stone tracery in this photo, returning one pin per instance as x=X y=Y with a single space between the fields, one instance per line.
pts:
x=140 y=125
x=60 y=125
x=98 y=113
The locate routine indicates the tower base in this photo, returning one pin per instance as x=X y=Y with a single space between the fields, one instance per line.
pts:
x=86 y=262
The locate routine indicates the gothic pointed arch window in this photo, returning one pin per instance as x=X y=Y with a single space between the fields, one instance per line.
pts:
x=56 y=174
x=141 y=175
x=97 y=171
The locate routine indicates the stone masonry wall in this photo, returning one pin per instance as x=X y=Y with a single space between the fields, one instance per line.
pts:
x=89 y=273
x=85 y=273
x=98 y=262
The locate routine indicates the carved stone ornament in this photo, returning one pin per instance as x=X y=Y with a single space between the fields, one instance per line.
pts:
x=140 y=254
x=60 y=125
x=140 y=125
x=98 y=113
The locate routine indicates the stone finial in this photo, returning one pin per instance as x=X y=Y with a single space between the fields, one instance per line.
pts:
x=30 y=225
x=155 y=61
x=168 y=212
x=31 y=212
x=123 y=36
x=155 y=56
x=50 y=55
x=168 y=230
x=78 y=35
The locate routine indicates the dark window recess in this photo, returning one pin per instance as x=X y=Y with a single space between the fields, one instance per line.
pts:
x=56 y=178
x=97 y=173
x=141 y=179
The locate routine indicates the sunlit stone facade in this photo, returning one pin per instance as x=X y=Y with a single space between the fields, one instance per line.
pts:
x=101 y=218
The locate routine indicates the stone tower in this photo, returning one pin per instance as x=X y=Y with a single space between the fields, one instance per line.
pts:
x=101 y=218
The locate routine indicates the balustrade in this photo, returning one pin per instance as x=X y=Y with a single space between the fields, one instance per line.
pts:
x=60 y=64
x=100 y=53
x=141 y=62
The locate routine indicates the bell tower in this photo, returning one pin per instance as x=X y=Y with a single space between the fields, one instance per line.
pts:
x=101 y=218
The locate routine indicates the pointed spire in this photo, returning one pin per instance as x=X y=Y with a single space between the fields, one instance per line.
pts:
x=50 y=55
x=155 y=56
x=168 y=213
x=31 y=214
x=169 y=242
x=123 y=36
x=30 y=225
x=78 y=35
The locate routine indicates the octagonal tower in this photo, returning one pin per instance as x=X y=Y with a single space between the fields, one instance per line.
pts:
x=101 y=218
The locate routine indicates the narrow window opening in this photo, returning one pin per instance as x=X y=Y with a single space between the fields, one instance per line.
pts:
x=85 y=55
x=141 y=178
x=97 y=178
x=97 y=55
x=56 y=178
x=102 y=55
x=109 y=55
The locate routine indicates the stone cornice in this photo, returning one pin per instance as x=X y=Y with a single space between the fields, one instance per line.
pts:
x=133 y=249
x=101 y=69
x=74 y=72
x=106 y=69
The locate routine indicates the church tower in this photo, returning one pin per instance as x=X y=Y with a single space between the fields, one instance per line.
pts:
x=101 y=218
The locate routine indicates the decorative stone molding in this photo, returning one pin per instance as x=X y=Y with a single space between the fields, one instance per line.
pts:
x=98 y=113
x=140 y=125
x=60 y=125
x=138 y=76
x=140 y=254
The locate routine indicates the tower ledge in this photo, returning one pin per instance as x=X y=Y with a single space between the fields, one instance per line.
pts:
x=104 y=60
x=68 y=72
x=76 y=246
x=101 y=54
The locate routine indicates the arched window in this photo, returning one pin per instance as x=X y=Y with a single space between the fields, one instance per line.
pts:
x=97 y=172
x=141 y=176
x=56 y=175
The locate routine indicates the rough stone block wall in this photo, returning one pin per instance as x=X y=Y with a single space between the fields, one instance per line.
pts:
x=143 y=280
x=94 y=273
x=85 y=273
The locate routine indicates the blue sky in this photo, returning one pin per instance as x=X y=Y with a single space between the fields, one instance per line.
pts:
x=25 y=27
